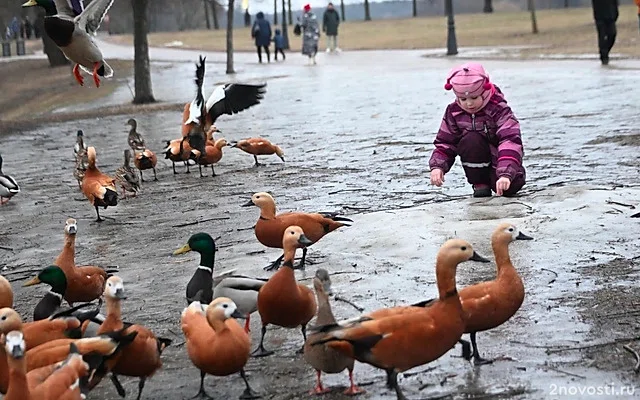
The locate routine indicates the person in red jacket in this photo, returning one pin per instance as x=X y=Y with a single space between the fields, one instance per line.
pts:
x=479 y=127
x=638 y=4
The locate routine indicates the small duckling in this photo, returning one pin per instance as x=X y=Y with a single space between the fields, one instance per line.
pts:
x=8 y=186
x=127 y=176
x=135 y=140
x=322 y=357
x=258 y=146
x=216 y=343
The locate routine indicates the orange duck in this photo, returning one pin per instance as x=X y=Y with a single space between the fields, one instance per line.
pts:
x=99 y=188
x=400 y=342
x=142 y=357
x=271 y=227
x=6 y=293
x=84 y=283
x=38 y=332
x=178 y=150
x=61 y=383
x=212 y=156
x=258 y=147
x=144 y=160
x=216 y=343
x=282 y=301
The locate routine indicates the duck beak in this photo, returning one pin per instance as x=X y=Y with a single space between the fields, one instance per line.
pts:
x=72 y=229
x=184 y=249
x=30 y=3
x=120 y=294
x=32 y=282
x=17 y=352
x=238 y=314
x=327 y=288
x=522 y=236
x=479 y=258
x=248 y=204
x=304 y=241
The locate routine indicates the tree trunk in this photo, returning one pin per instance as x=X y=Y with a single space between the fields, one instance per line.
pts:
x=566 y=3
x=230 y=38
x=214 y=10
x=488 y=6
x=367 y=14
x=206 y=14
x=275 y=12
x=290 y=14
x=415 y=8
x=54 y=54
x=534 y=22
x=342 y=10
x=142 y=69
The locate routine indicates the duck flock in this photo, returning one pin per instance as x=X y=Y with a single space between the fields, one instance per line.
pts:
x=65 y=352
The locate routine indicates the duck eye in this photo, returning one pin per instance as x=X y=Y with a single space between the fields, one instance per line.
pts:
x=225 y=305
x=4 y=317
x=463 y=248
x=510 y=229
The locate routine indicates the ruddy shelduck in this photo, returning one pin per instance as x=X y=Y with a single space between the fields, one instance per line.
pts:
x=258 y=146
x=98 y=188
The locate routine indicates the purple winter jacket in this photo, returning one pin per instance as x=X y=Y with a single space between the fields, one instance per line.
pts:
x=499 y=125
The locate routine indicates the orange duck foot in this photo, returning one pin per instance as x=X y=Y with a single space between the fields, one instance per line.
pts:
x=76 y=74
x=96 y=79
x=353 y=389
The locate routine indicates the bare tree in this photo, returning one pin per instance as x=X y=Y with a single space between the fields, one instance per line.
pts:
x=214 y=10
x=415 y=8
x=275 y=12
x=141 y=65
x=230 y=38
x=534 y=21
x=488 y=6
x=183 y=12
x=367 y=14
x=290 y=15
x=206 y=13
x=342 y=10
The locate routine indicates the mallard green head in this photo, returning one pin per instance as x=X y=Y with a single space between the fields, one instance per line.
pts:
x=53 y=276
x=48 y=5
x=199 y=242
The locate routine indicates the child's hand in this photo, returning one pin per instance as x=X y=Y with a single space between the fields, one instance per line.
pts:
x=501 y=185
x=437 y=177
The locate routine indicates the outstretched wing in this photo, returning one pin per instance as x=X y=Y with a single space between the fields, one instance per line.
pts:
x=92 y=16
x=65 y=8
x=232 y=98
x=196 y=137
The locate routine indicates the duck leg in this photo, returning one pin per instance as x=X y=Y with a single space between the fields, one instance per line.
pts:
x=304 y=256
x=392 y=378
x=257 y=164
x=118 y=385
x=141 y=177
x=353 y=389
x=274 y=265
x=155 y=177
x=247 y=323
x=261 y=351
x=141 y=383
x=477 y=360
x=201 y=393
x=466 y=349
x=96 y=78
x=303 y=328
x=77 y=75
x=318 y=388
x=213 y=173
x=200 y=168
x=173 y=165
x=98 y=214
x=248 y=392
x=187 y=164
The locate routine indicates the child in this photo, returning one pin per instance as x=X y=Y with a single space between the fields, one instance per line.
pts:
x=278 y=41
x=479 y=127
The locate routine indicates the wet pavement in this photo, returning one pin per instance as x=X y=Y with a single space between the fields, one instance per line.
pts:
x=356 y=131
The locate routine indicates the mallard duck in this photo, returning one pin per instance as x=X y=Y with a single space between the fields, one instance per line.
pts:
x=82 y=162
x=8 y=186
x=229 y=99
x=99 y=189
x=243 y=290
x=258 y=146
x=127 y=177
x=80 y=145
x=135 y=140
x=71 y=28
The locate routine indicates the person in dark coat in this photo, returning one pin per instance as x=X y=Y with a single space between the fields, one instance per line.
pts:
x=261 y=32
x=330 y=22
x=278 y=42
x=247 y=18
x=605 y=13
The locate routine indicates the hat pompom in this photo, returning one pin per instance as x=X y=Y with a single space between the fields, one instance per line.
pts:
x=487 y=85
x=448 y=86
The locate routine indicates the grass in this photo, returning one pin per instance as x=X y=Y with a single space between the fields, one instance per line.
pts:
x=562 y=31
x=36 y=89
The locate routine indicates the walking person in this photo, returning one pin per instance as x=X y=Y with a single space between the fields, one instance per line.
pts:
x=261 y=32
x=330 y=22
x=605 y=13
x=278 y=42
x=310 y=33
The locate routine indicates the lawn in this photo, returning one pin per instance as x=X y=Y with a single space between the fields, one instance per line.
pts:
x=562 y=31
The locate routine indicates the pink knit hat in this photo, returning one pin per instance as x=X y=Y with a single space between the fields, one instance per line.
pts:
x=470 y=80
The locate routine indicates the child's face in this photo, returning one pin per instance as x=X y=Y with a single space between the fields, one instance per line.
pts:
x=471 y=103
